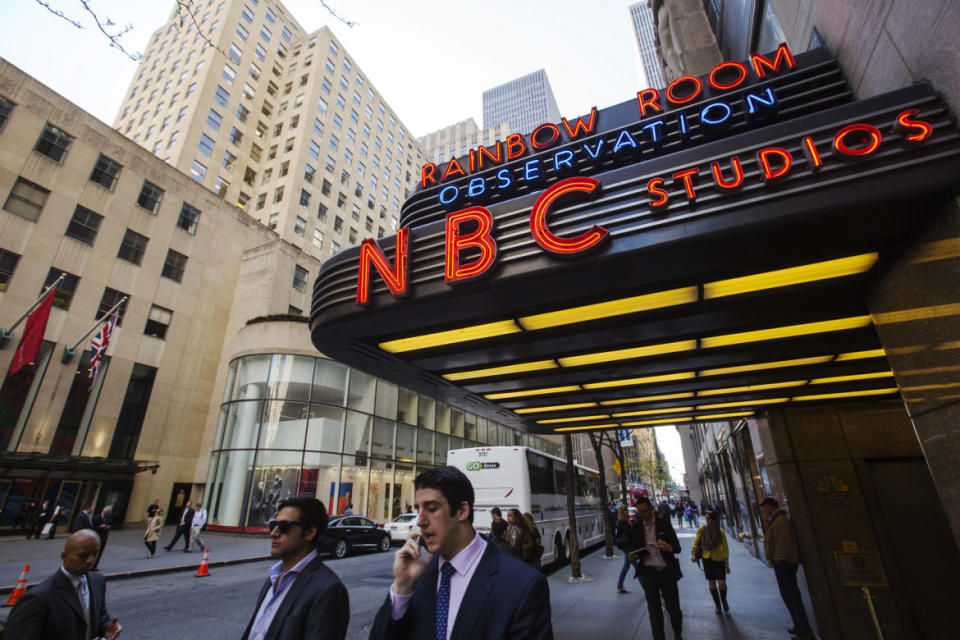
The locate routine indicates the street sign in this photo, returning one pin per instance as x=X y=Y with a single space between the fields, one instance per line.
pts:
x=862 y=569
x=617 y=467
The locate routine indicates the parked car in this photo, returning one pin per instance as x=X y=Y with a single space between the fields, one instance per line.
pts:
x=345 y=533
x=400 y=528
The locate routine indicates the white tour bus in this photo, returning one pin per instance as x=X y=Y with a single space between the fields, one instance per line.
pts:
x=533 y=482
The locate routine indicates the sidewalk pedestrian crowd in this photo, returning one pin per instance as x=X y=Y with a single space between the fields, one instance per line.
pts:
x=433 y=571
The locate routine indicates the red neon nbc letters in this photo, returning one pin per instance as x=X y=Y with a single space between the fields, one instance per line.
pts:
x=538 y=219
x=395 y=278
x=456 y=242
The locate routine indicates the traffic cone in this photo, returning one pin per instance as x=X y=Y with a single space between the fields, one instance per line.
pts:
x=20 y=588
x=204 y=570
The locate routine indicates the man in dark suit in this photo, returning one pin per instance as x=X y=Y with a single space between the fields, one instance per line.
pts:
x=84 y=520
x=102 y=523
x=655 y=547
x=183 y=527
x=43 y=516
x=63 y=606
x=464 y=588
x=302 y=598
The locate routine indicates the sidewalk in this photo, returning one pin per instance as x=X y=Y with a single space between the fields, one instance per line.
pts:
x=125 y=554
x=595 y=609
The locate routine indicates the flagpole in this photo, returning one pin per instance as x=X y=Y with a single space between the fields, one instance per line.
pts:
x=6 y=334
x=69 y=352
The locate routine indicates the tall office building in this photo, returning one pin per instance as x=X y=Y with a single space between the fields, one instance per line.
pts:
x=641 y=15
x=454 y=141
x=525 y=103
x=282 y=123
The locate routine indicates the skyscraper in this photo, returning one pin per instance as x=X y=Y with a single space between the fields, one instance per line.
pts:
x=641 y=15
x=525 y=103
x=280 y=122
x=454 y=141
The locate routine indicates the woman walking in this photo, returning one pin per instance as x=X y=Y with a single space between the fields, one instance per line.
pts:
x=623 y=538
x=154 y=524
x=537 y=552
x=711 y=545
x=519 y=536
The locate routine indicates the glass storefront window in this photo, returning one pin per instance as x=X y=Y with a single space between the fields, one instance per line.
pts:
x=325 y=428
x=356 y=439
x=386 y=405
x=481 y=435
x=231 y=377
x=383 y=434
x=284 y=425
x=329 y=382
x=353 y=485
x=230 y=493
x=426 y=412
x=403 y=478
x=361 y=396
x=291 y=377
x=405 y=438
x=276 y=477
x=425 y=447
x=252 y=378
x=319 y=477
x=456 y=422
x=443 y=418
x=381 y=491
x=469 y=426
x=442 y=446
x=243 y=425
x=407 y=407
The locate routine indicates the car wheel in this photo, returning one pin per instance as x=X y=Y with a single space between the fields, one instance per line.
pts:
x=385 y=543
x=340 y=549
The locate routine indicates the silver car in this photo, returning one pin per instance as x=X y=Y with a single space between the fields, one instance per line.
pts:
x=400 y=528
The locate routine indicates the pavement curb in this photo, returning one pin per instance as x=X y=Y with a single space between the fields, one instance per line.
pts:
x=152 y=572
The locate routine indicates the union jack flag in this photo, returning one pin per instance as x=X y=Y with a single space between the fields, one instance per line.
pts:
x=98 y=346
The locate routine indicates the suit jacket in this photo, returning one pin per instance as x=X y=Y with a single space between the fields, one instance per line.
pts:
x=664 y=531
x=315 y=608
x=82 y=521
x=188 y=520
x=505 y=599
x=100 y=519
x=51 y=610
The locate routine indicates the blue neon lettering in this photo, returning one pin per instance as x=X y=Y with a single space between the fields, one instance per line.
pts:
x=682 y=119
x=753 y=99
x=531 y=169
x=623 y=140
x=594 y=152
x=706 y=119
x=475 y=187
x=563 y=158
x=504 y=177
x=451 y=189
x=653 y=127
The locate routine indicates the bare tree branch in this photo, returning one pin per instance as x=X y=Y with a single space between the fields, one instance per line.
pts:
x=102 y=25
x=349 y=23
x=183 y=6
x=59 y=14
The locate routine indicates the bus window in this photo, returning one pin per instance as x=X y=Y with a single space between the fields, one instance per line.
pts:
x=560 y=477
x=541 y=474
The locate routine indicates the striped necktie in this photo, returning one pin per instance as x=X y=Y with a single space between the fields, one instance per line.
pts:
x=83 y=592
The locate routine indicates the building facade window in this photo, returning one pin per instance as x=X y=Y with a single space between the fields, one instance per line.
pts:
x=109 y=300
x=133 y=246
x=174 y=266
x=53 y=143
x=150 y=197
x=26 y=199
x=158 y=321
x=106 y=172
x=189 y=217
x=300 y=278
x=84 y=225
x=8 y=264
x=65 y=290
x=126 y=434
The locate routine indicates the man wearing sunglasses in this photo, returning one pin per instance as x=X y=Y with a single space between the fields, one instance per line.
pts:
x=302 y=598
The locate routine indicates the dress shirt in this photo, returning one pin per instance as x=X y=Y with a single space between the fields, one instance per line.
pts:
x=275 y=595
x=199 y=519
x=653 y=559
x=465 y=563
x=85 y=606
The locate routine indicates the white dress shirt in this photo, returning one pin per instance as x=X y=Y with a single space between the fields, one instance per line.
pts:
x=465 y=564
x=199 y=519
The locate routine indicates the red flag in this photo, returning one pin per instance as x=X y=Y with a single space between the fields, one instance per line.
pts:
x=33 y=333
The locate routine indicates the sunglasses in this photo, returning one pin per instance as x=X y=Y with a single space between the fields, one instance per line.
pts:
x=283 y=526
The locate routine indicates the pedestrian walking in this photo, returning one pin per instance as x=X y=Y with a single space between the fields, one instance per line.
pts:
x=102 y=524
x=519 y=537
x=498 y=526
x=710 y=546
x=183 y=527
x=679 y=514
x=623 y=538
x=55 y=518
x=429 y=597
x=197 y=525
x=780 y=548
x=152 y=534
x=302 y=598
x=70 y=604
x=537 y=553
x=349 y=510
x=84 y=520
x=152 y=509
x=43 y=517
x=694 y=514
x=655 y=548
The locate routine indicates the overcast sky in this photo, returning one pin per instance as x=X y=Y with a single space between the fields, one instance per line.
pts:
x=431 y=59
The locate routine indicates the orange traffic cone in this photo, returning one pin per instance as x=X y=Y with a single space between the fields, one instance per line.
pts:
x=20 y=588
x=204 y=570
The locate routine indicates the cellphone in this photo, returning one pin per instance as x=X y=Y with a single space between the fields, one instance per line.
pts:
x=421 y=542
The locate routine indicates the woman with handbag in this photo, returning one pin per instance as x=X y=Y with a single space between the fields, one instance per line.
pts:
x=154 y=524
x=710 y=545
x=623 y=538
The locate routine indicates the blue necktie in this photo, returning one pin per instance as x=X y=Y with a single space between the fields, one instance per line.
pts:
x=443 y=600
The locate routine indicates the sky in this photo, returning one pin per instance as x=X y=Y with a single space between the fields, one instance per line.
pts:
x=668 y=439
x=430 y=59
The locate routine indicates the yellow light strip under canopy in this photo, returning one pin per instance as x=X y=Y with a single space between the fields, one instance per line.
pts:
x=751 y=387
x=848 y=394
x=463 y=334
x=531 y=392
x=850 y=378
x=522 y=367
x=601 y=416
x=609 y=309
x=741 y=403
x=612 y=425
x=629 y=382
x=762 y=366
x=652 y=412
x=793 y=275
x=640 y=423
x=790 y=331
x=860 y=355
x=627 y=354
x=642 y=399
x=556 y=407
x=720 y=416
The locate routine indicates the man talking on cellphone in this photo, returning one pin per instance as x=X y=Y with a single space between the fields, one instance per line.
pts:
x=463 y=587
x=655 y=546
